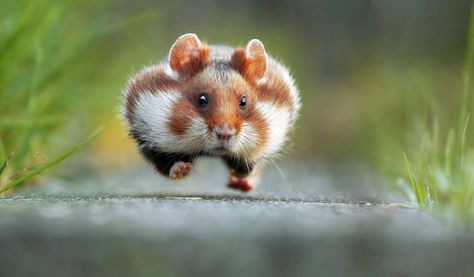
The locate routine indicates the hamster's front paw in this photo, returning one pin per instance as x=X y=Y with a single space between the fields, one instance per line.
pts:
x=240 y=184
x=180 y=170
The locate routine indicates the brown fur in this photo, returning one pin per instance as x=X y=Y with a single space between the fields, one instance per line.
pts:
x=224 y=96
x=181 y=115
x=274 y=89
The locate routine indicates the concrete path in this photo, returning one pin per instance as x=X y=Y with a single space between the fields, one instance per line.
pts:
x=136 y=224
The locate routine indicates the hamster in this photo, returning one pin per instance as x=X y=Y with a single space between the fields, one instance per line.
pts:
x=238 y=104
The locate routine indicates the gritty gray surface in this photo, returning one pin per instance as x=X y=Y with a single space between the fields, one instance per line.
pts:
x=316 y=223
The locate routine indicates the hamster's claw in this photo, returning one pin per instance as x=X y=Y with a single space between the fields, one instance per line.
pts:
x=180 y=170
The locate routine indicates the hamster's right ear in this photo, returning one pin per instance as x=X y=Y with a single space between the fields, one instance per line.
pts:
x=251 y=62
x=188 y=55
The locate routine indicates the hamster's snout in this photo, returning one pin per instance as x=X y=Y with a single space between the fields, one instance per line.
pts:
x=224 y=132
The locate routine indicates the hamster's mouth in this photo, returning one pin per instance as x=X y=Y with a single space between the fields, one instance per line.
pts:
x=221 y=147
x=220 y=150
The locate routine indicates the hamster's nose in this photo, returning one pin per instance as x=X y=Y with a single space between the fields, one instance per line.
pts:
x=224 y=132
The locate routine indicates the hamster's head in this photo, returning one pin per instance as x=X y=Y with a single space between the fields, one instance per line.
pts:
x=216 y=110
x=197 y=104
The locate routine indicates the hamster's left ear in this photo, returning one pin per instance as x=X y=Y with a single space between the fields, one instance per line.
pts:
x=251 y=62
x=188 y=55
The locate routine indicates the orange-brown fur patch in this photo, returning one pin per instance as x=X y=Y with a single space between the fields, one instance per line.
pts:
x=181 y=115
x=224 y=97
x=275 y=89
x=239 y=62
x=224 y=108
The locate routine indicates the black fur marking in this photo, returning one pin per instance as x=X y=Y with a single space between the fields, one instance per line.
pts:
x=163 y=161
x=242 y=168
x=221 y=65
x=222 y=68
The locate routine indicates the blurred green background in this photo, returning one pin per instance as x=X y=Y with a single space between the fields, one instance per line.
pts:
x=377 y=78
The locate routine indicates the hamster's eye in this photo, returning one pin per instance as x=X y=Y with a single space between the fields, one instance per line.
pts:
x=243 y=102
x=203 y=100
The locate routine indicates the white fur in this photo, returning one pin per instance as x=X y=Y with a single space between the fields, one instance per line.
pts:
x=220 y=52
x=145 y=70
x=262 y=81
x=295 y=96
x=152 y=116
x=278 y=122
x=195 y=136
x=169 y=72
x=254 y=43
x=152 y=113
x=247 y=140
x=242 y=144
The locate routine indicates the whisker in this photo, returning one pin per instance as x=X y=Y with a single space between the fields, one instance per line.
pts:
x=279 y=171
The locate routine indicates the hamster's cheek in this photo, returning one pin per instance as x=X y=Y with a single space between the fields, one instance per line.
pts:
x=186 y=124
x=180 y=116
x=253 y=134
x=152 y=113
x=276 y=120
x=248 y=139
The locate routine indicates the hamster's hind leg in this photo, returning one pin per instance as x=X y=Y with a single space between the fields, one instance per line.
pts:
x=243 y=176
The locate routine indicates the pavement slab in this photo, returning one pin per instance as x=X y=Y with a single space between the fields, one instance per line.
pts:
x=137 y=224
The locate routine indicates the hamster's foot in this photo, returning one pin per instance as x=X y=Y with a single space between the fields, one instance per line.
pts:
x=240 y=184
x=180 y=170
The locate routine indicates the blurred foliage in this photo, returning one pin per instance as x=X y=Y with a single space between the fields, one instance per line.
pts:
x=442 y=174
x=377 y=78
x=44 y=48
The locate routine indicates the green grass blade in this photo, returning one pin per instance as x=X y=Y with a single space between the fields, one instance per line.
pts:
x=468 y=71
x=2 y=150
x=5 y=163
x=43 y=167
x=448 y=154
x=463 y=141
x=420 y=198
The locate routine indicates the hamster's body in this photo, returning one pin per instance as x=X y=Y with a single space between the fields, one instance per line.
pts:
x=203 y=100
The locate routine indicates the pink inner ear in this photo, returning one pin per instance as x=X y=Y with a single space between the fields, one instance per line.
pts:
x=188 y=55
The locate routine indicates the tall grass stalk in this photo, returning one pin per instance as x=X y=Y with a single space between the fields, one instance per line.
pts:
x=45 y=47
x=443 y=180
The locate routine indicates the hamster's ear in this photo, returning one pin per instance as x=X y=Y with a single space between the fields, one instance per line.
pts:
x=188 y=55
x=251 y=62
